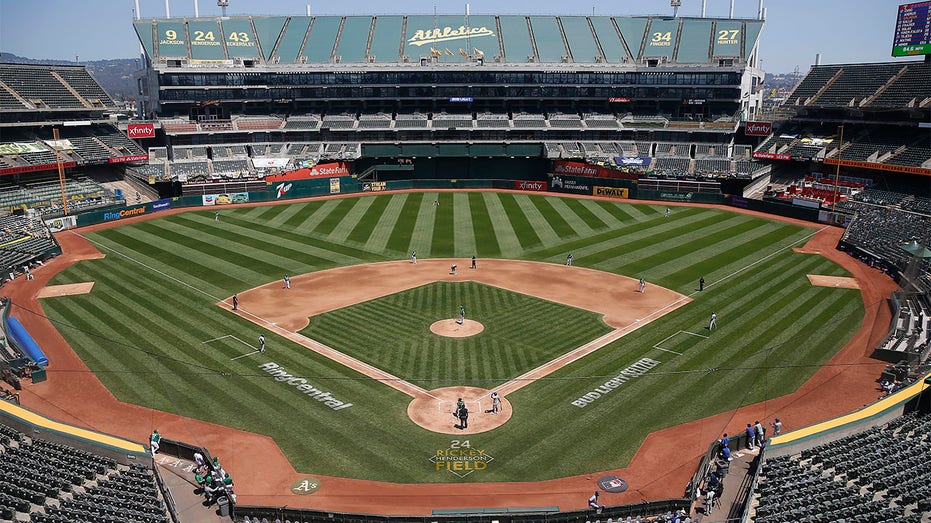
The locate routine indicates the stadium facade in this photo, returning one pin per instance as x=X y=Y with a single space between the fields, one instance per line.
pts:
x=528 y=87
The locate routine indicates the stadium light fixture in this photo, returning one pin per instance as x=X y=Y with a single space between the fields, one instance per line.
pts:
x=223 y=4
x=675 y=4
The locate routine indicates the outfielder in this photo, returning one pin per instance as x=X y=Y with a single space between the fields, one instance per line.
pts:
x=714 y=321
x=262 y=343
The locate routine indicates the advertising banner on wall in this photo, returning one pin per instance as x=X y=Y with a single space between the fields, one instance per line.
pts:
x=317 y=171
x=758 y=128
x=140 y=130
x=529 y=185
x=225 y=199
x=610 y=192
x=570 y=184
x=374 y=186
x=61 y=224
x=334 y=185
x=585 y=169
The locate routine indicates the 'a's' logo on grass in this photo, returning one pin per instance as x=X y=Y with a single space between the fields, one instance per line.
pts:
x=305 y=486
x=460 y=458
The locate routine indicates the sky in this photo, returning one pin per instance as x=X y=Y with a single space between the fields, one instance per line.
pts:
x=843 y=31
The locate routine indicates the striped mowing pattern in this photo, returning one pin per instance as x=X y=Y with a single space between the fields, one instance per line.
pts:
x=142 y=331
x=521 y=333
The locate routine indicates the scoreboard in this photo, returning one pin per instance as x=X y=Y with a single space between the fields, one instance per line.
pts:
x=913 y=30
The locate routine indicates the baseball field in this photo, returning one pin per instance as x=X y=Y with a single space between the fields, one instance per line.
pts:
x=157 y=329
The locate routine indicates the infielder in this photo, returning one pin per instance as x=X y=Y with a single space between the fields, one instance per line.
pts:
x=414 y=257
x=287 y=282
x=453 y=269
x=569 y=259
x=642 y=285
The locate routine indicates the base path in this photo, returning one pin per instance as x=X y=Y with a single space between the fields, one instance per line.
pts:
x=660 y=469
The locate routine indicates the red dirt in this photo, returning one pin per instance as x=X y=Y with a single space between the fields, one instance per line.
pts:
x=453 y=328
x=660 y=469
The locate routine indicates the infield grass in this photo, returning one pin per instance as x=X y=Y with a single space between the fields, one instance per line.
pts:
x=142 y=329
x=521 y=333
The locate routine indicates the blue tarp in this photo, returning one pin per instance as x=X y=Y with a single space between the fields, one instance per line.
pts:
x=24 y=341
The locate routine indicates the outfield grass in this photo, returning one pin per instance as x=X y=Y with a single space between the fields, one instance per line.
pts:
x=521 y=333
x=142 y=328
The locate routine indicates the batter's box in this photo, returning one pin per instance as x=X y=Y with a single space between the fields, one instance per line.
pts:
x=680 y=342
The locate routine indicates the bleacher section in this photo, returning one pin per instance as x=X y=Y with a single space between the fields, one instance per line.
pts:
x=881 y=231
x=911 y=328
x=94 y=144
x=46 y=482
x=881 y=85
x=22 y=241
x=81 y=193
x=879 y=474
x=51 y=87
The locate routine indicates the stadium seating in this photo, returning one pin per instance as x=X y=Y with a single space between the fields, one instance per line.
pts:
x=492 y=121
x=338 y=122
x=912 y=156
x=256 y=124
x=51 y=87
x=46 y=482
x=855 y=84
x=876 y=475
x=812 y=83
x=303 y=123
x=375 y=121
x=451 y=121
x=913 y=85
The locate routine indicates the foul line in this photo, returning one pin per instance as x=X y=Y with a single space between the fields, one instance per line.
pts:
x=657 y=346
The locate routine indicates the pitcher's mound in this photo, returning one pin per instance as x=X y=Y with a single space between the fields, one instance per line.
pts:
x=451 y=328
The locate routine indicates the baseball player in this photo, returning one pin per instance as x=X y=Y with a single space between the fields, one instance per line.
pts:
x=216 y=216
x=714 y=321
x=287 y=282
x=453 y=269
x=473 y=261
x=569 y=259
x=642 y=285
x=262 y=343
x=593 y=502
x=495 y=403
x=461 y=315
x=235 y=302
x=414 y=257
x=667 y=212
